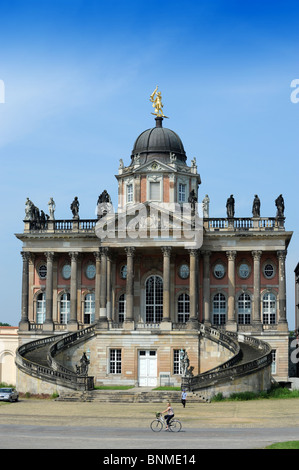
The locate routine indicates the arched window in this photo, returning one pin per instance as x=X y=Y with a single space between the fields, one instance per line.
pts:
x=219 y=309
x=65 y=308
x=269 y=309
x=183 y=308
x=89 y=309
x=41 y=308
x=154 y=299
x=121 y=308
x=244 y=309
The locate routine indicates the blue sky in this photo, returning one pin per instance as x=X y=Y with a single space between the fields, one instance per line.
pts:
x=78 y=75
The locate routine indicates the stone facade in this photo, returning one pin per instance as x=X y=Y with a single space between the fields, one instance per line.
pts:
x=8 y=344
x=147 y=293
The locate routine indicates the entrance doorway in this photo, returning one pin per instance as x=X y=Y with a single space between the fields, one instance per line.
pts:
x=147 y=368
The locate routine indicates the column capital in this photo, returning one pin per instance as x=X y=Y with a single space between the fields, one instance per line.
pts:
x=73 y=255
x=231 y=255
x=256 y=254
x=104 y=250
x=97 y=255
x=281 y=254
x=25 y=255
x=130 y=250
x=193 y=251
x=49 y=255
x=205 y=253
x=166 y=250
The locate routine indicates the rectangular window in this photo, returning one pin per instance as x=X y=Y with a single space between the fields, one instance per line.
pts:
x=115 y=361
x=182 y=192
x=155 y=191
x=130 y=193
x=176 y=362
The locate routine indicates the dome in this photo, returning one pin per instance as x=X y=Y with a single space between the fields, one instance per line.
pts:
x=158 y=143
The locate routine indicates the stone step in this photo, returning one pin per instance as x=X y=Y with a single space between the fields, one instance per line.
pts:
x=113 y=396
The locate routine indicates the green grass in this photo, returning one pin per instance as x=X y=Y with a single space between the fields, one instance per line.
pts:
x=274 y=393
x=284 y=445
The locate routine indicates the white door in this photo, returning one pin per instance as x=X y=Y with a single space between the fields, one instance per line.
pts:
x=147 y=368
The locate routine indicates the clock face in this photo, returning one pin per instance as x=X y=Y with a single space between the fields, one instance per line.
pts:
x=184 y=271
x=123 y=272
x=244 y=271
x=219 y=271
x=90 y=271
x=66 y=271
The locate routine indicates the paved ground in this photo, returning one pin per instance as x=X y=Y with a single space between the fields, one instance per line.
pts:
x=229 y=425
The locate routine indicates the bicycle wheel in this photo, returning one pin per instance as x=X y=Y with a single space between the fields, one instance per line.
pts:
x=175 y=425
x=156 y=425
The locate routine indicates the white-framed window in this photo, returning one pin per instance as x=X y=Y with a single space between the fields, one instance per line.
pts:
x=65 y=308
x=130 y=196
x=155 y=191
x=244 y=309
x=269 y=308
x=89 y=308
x=176 y=362
x=115 y=361
x=182 y=192
x=121 y=308
x=274 y=361
x=183 y=308
x=154 y=299
x=41 y=308
x=219 y=309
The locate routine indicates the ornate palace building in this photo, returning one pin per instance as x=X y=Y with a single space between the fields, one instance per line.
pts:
x=138 y=285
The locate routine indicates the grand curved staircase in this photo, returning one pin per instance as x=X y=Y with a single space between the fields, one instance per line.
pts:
x=248 y=355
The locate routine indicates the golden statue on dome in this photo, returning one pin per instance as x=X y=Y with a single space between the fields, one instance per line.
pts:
x=156 y=99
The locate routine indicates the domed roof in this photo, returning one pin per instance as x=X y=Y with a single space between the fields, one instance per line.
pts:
x=158 y=143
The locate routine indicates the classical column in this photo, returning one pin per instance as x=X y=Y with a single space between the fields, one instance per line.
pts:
x=166 y=250
x=256 y=313
x=48 y=324
x=109 y=306
x=130 y=284
x=192 y=287
x=73 y=313
x=103 y=286
x=24 y=323
x=231 y=319
x=282 y=313
x=206 y=286
x=97 y=256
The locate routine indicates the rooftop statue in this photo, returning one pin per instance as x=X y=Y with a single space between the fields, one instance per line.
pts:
x=75 y=208
x=156 y=99
x=256 y=207
x=230 y=207
x=279 y=202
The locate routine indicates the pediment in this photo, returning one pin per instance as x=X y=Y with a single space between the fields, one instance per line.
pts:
x=154 y=166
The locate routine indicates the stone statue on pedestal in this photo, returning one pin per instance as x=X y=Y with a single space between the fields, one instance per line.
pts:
x=230 y=207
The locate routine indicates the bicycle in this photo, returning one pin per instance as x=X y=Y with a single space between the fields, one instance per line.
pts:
x=157 y=425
